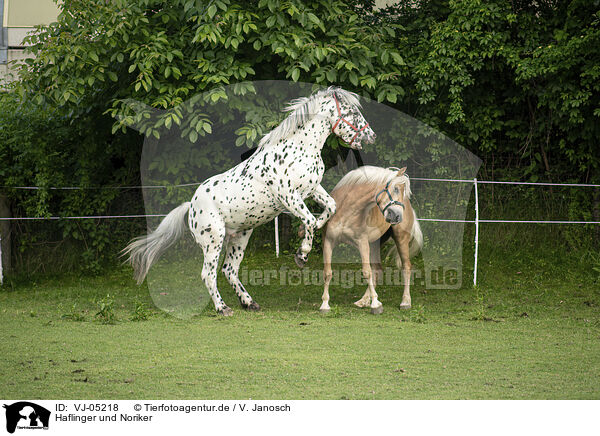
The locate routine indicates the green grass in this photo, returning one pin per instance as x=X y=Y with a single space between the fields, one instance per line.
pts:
x=530 y=331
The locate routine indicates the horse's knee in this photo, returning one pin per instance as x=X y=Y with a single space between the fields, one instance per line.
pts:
x=327 y=275
x=310 y=224
x=331 y=205
x=366 y=272
x=228 y=271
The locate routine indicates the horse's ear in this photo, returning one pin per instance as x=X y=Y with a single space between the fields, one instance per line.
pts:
x=401 y=171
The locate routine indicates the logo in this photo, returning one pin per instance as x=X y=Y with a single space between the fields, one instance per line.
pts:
x=26 y=415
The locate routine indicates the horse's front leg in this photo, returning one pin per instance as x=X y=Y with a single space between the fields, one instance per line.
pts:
x=402 y=240
x=326 y=201
x=363 y=247
x=293 y=202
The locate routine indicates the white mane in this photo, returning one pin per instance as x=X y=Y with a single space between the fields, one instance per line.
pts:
x=374 y=175
x=302 y=110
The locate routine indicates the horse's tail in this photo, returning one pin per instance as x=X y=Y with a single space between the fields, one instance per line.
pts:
x=416 y=242
x=143 y=251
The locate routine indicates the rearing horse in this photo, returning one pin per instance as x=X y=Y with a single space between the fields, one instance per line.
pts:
x=286 y=169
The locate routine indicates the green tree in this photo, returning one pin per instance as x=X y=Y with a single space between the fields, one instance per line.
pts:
x=507 y=78
x=69 y=112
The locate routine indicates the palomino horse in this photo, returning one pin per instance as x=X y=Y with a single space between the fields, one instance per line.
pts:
x=369 y=200
x=285 y=169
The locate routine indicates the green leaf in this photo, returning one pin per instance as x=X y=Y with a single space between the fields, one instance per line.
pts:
x=385 y=56
x=295 y=74
x=397 y=58
x=353 y=78
x=212 y=10
x=331 y=75
x=312 y=17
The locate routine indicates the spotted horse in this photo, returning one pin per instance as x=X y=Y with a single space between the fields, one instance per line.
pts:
x=286 y=169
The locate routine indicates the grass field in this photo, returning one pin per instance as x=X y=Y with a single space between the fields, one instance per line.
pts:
x=530 y=331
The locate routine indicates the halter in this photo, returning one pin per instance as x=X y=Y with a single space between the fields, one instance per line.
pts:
x=392 y=201
x=341 y=118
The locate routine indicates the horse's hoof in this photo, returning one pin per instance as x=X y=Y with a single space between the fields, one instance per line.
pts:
x=324 y=311
x=300 y=259
x=226 y=311
x=252 y=307
x=361 y=303
x=405 y=306
x=377 y=310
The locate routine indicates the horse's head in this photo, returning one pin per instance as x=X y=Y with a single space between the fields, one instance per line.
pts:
x=390 y=199
x=347 y=121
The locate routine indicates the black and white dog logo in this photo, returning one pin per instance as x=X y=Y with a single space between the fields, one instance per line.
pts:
x=26 y=415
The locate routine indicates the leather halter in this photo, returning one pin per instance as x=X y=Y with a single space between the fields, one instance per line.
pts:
x=392 y=201
x=341 y=118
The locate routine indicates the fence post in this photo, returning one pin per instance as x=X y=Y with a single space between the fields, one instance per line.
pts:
x=277 y=236
x=476 y=232
x=1 y=274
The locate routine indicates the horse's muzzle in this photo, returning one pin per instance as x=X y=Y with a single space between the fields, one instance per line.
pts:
x=392 y=216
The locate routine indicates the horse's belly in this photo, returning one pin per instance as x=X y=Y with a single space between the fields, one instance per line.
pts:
x=248 y=216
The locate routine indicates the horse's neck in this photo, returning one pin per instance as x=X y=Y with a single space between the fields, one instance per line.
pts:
x=312 y=135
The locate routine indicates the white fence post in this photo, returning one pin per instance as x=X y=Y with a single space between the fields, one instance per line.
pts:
x=277 y=236
x=1 y=273
x=476 y=232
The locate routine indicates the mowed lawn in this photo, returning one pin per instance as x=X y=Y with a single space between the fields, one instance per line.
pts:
x=531 y=331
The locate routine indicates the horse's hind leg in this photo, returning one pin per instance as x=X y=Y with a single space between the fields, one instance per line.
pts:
x=231 y=266
x=375 y=259
x=210 y=237
x=402 y=240
x=327 y=273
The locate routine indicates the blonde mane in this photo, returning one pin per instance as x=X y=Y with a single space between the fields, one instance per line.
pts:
x=302 y=110
x=374 y=175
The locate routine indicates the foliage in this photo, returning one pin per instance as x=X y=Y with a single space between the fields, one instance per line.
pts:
x=516 y=82
x=163 y=54
x=106 y=310
x=141 y=312
x=67 y=117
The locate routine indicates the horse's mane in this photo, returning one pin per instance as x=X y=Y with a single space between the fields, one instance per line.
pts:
x=375 y=176
x=303 y=109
